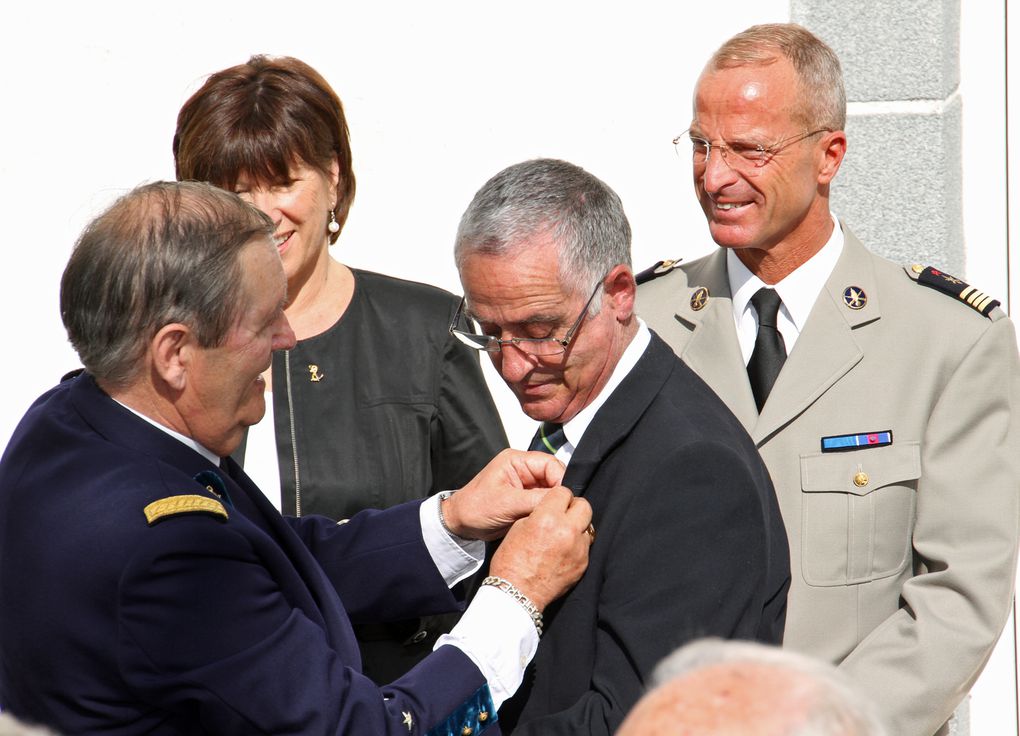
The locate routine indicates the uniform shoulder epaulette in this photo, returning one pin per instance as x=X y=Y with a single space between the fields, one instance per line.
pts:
x=660 y=268
x=72 y=374
x=171 y=506
x=941 y=281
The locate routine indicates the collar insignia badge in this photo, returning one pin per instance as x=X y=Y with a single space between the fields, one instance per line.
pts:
x=699 y=298
x=854 y=297
x=213 y=483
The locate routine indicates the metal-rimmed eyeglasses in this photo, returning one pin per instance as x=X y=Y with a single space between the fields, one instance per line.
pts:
x=540 y=346
x=746 y=157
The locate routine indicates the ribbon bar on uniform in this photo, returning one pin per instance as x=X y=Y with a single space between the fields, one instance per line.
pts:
x=838 y=443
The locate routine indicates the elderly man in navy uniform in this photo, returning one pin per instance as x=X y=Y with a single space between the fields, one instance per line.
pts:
x=146 y=586
x=883 y=399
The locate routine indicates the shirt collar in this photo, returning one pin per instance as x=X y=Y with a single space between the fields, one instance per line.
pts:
x=576 y=427
x=201 y=450
x=799 y=290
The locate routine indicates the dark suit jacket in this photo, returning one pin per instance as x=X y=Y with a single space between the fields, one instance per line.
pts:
x=196 y=623
x=690 y=543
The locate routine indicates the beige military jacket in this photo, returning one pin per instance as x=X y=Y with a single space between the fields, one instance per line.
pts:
x=903 y=555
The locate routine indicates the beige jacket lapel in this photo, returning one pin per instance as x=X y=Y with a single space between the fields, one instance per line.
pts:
x=827 y=349
x=709 y=344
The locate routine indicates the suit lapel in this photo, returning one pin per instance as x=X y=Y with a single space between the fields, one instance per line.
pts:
x=258 y=510
x=252 y=502
x=827 y=349
x=121 y=426
x=616 y=418
x=710 y=346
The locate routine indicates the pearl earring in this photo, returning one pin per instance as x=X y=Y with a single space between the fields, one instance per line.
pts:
x=333 y=226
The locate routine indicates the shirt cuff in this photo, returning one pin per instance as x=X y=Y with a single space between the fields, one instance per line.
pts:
x=456 y=558
x=498 y=635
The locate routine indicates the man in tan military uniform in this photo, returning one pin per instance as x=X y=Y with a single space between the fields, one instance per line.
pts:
x=890 y=430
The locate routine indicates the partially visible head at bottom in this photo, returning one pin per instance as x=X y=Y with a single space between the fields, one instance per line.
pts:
x=728 y=688
x=11 y=726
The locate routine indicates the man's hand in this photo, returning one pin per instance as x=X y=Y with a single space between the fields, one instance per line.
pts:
x=547 y=552
x=507 y=489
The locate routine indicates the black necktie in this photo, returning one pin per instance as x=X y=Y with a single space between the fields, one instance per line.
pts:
x=549 y=438
x=769 y=348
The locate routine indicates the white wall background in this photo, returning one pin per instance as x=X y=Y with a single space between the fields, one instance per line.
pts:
x=439 y=97
x=983 y=36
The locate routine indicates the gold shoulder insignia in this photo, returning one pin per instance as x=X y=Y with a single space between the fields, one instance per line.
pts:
x=177 y=505
x=941 y=281
x=661 y=268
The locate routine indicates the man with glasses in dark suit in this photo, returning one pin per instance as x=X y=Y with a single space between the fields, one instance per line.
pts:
x=689 y=538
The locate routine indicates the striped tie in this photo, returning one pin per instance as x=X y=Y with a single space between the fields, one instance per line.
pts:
x=549 y=438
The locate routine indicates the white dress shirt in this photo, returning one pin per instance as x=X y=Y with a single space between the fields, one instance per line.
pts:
x=798 y=291
x=261 y=463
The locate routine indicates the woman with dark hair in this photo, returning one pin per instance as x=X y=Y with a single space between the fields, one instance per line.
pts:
x=376 y=404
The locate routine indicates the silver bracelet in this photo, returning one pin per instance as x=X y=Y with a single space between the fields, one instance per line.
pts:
x=443 y=495
x=510 y=589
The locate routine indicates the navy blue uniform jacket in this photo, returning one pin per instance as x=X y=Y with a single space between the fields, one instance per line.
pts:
x=197 y=624
x=690 y=543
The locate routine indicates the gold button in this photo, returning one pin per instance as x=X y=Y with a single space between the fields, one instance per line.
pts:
x=917 y=268
x=861 y=479
x=483 y=716
x=466 y=731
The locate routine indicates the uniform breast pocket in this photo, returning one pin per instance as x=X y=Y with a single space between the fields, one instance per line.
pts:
x=858 y=513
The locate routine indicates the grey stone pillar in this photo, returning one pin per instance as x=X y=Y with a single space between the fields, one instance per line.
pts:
x=899 y=188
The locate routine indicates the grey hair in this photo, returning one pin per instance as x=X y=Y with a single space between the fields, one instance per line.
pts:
x=582 y=214
x=817 y=66
x=836 y=708
x=164 y=252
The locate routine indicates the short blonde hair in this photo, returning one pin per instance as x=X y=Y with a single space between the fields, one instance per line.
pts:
x=817 y=67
